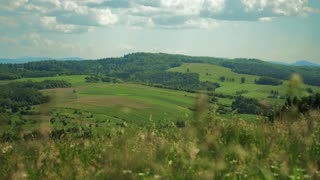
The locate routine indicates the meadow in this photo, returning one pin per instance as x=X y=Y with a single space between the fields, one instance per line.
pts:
x=208 y=147
x=209 y=72
x=133 y=131
x=134 y=104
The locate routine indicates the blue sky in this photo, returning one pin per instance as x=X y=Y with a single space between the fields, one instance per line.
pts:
x=276 y=30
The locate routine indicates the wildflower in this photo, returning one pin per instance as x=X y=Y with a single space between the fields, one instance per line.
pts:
x=6 y=149
x=157 y=176
x=126 y=171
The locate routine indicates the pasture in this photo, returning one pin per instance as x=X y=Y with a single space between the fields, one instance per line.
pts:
x=133 y=104
x=127 y=102
x=232 y=84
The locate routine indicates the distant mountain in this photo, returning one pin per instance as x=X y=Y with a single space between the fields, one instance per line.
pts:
x=298 y=63
x=305 y=63
x=33 y=59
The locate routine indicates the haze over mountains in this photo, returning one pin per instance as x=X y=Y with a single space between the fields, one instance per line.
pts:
x=298 y=63
x=305 y=63
x=33 y=59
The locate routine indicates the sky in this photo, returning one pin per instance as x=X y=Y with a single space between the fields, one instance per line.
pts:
x=274 y=30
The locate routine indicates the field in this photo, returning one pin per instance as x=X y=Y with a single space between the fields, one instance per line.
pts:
x=139 y=105
x=128 y=102
x=130 y=131
x=209 y=72
x=75 y=80
x=132 y=104
x=110 y=104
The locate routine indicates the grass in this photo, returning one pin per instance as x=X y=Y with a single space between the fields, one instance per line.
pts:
x=136 y=105
x=209 y=72
x=75 y=80
x=129 y=102
x=208 y=148
x=128 y=131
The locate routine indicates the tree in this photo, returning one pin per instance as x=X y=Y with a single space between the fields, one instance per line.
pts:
x=268 y=81
x=15 y=108
x=295 y=87
x=222 y=78
x=243 y=80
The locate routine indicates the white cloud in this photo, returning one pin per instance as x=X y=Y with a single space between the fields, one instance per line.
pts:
x=182 y=7
x=292 y=7
x=201 y=23
x=51 y=23
x=249 y=4
x=138 y=22
x=68 y=16
x=75 y=7
x=214 y=5
x=265 y=19
x=105 y=17
x=35 y=8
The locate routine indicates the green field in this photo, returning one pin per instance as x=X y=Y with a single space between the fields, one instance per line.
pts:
x=75 y=80
x=130 y=103
x=132 y=131
x=209 y=72
x=140 y=105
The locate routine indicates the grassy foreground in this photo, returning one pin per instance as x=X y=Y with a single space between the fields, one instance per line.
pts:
x=207 y=148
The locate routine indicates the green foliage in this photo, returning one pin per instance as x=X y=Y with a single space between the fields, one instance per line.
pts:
x=46 y=84
x=216 y=149
x=245 y=105
x=8 y=76
x=303 y=104
x=178 y=81
x=261 y=68
x=268 y=81
x=15 y=95
x=243 y=80
x=92 y=79
x=12 y=97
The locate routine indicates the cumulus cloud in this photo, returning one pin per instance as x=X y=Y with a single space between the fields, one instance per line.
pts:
x=68 y=16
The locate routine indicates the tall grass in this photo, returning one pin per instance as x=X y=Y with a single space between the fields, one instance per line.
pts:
x=206 y=148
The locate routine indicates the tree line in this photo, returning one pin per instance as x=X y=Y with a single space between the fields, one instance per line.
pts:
x=15 y=95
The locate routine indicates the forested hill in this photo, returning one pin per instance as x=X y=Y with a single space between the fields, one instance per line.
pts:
x=142 y=66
